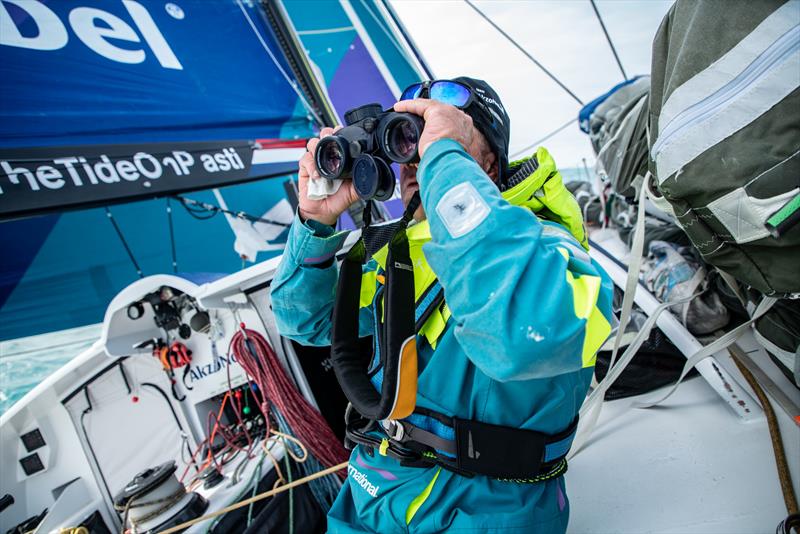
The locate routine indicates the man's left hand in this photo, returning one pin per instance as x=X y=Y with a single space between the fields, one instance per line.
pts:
x=442 y=121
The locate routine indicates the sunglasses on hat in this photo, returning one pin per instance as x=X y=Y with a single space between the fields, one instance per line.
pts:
x=454 y=93
x=445 y=91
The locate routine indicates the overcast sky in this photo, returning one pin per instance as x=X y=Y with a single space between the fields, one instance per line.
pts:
x=564 y=36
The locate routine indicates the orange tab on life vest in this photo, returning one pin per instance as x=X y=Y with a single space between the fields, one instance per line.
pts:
x=406 y=399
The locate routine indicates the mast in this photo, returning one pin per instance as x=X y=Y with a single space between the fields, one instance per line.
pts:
x=295 y=55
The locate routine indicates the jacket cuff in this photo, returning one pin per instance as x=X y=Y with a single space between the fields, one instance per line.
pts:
x=312 y=243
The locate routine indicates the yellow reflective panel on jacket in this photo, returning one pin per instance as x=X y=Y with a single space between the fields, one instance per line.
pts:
x=544 y=193
x=585 y=289
x=418 y=234
x=368 y=283
x=420 y=499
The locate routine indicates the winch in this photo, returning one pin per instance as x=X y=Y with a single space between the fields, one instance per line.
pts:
x=155 y=500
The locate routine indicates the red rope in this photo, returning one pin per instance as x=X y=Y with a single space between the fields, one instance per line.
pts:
x=274 y=387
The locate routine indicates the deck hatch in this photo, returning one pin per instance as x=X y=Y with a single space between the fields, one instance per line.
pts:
x=33 y=440
x=32 y=464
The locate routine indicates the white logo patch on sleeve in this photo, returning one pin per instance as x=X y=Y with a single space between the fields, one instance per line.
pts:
x=462 y=209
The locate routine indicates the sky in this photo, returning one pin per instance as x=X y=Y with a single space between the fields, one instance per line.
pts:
x=565 y=36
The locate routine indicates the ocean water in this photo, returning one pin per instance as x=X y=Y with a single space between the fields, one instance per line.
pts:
x=570 y=174
x=25 y=362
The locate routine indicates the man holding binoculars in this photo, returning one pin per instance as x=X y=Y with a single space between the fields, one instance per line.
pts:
x=486 y=314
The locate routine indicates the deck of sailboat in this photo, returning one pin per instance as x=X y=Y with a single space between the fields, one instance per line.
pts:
x=695 y=463
x=688 y=466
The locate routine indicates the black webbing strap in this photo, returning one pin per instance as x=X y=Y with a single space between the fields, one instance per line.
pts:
x=345 y=349
x=430 y=301
x=500 y=452
x=346 y=356
x=375 y=237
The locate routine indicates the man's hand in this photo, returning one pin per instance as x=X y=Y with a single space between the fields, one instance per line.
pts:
x=327 y=210
x=441 y=121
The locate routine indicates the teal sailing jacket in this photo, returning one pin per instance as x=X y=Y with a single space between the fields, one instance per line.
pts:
x=527 y=310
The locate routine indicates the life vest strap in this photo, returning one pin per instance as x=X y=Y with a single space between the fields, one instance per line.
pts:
x=395 y=337
x=499 y=452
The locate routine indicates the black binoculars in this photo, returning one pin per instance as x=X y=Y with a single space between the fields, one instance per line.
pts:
x=365 y=148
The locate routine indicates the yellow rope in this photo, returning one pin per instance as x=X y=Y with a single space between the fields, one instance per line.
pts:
x=260 y=496
x=279 y=479
x=287 y=437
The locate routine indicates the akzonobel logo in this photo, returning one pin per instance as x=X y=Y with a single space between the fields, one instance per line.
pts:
x=94 y=27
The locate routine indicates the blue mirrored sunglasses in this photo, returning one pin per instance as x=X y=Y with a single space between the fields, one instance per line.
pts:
x=445 y=91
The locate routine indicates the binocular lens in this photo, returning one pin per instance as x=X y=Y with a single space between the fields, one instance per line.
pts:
x=403 y=140
x=330 y=158
x=400 y=136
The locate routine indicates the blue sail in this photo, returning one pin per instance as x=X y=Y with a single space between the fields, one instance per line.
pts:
x=99 y=82
x=120 y=100
x=91 y=78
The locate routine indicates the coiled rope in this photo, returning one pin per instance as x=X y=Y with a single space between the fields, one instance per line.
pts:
x=275 y=388
x=266 y=494
x=166 y=503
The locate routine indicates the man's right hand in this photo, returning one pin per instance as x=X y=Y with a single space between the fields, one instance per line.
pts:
x=327 y=210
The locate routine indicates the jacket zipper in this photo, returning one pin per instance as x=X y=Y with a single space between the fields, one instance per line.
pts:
x=774 y=55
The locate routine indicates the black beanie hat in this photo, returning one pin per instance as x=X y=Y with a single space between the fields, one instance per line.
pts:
x=492 y=120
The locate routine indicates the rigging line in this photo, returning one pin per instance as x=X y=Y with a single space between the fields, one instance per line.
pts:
x=194 y=207
x=172 y=237
x=608 y=38
x=543 y=139
x=512 y=41
x=124 y=242
x=586 y=169
x=286 y=77
x=784 y=474
x=299 y=482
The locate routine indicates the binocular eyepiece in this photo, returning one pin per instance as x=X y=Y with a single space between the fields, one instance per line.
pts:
x=365 y=148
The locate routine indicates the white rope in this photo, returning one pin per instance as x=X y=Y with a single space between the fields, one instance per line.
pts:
x=712 y=348
x=634 y=264
x=590 y=411
x=592 y=406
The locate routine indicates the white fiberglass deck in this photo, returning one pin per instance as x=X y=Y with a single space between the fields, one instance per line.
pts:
x=690 y=466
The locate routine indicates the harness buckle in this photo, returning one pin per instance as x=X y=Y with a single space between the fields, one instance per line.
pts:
x=394 y=429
